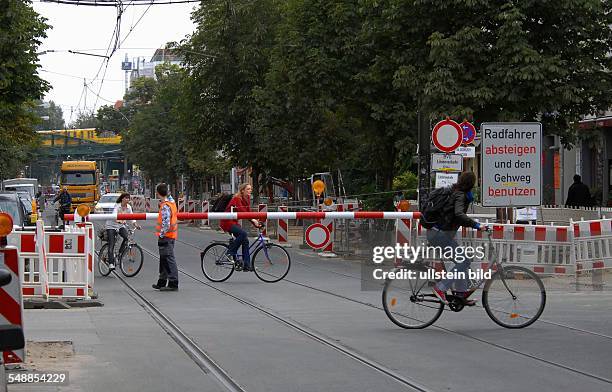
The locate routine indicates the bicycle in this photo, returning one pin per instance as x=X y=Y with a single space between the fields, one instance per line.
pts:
x=270 y=262
x=130 y=260
x=514 y=296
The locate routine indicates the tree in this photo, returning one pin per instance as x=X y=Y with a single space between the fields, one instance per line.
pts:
x=54 y=113
x=227 y=58
x=112 y=119
x=21 y=31
x=85 y=120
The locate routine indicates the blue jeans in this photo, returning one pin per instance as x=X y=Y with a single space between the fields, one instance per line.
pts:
x=241 y=239
x=444 y=239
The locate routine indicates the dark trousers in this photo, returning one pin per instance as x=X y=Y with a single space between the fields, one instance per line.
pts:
x=168 y=269
x=241 y=239
x=111 y=233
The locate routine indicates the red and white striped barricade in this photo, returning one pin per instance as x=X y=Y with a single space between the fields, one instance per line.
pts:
x=403 y=233
x=283 y=228
x=329 y=222
x=138 y=203
x=205 y=209
x=263 y=208
x=90 y=248
x=68 y=256
x=191 y=207
x=29 y=260
x=43 y=275
x=11 y=308
x=543 y=249
x=181 y=205
x=592 y=248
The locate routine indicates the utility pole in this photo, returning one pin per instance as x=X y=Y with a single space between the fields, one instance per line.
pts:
x=424 y=153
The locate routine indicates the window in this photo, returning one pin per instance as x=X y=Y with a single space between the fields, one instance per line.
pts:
x=78 y=178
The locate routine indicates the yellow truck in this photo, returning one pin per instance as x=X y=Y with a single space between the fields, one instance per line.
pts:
x=81 y=178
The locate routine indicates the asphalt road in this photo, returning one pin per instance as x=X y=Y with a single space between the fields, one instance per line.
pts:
x=249 y=329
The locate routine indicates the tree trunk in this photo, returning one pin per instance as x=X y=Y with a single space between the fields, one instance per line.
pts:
x=255 y=176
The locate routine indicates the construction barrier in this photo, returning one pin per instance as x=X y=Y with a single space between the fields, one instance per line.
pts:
x=61 y=265
x=206 y=209
x=138 y=203
x=283 y=228
x=592 y=244
x=11 y=310
x=543 y=249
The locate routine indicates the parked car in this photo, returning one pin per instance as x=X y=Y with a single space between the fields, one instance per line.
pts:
x=12 y=204
x=106 y=204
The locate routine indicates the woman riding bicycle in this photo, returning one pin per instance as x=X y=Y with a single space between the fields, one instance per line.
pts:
x=241 y=202
x=119 y=226
x=443 y=234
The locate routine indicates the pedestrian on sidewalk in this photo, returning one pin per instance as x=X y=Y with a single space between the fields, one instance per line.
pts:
x=578 y=194
x=167 y=233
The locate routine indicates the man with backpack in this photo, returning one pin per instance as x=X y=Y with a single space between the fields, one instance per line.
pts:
x=443 y=214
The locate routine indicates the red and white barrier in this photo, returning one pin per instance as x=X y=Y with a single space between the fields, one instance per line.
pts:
x=205 y=209
x=138 y=203
x=403 y=231
x=43 y=276
x=263 y=208
x=181 y=204
x=257 y=215
x=11 y=309
x=329 y=223
x=592 y=248
x=283 y=228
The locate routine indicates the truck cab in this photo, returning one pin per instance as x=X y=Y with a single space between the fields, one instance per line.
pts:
x=81 y=179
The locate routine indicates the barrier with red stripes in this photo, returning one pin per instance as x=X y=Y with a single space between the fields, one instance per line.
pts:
x=138 y=203
x=328 y=222
x=543 y=249
x=257 y=215
x=263 y=208
x=283 y=228
x=11 y=309
x=205 y=209
x=181 y=204
x=43 y=275
x=592 y=248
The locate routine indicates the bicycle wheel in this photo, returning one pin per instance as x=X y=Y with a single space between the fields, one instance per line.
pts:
x=216 y=264
x=271 y=263
x=410 y=303
x=514 y=297
x=103 y=261
x=131 y=260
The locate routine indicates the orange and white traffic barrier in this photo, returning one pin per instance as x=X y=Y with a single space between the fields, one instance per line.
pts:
x=283 y=228
x=68 y=270
x=263 y=208
x=181 y=204
x=138 y=203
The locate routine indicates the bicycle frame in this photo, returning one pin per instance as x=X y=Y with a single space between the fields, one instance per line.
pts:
x=260 y=242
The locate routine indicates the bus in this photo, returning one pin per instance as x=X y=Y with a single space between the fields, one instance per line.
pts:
x=81 y=178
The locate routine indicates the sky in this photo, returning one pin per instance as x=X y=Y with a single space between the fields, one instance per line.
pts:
x=89 y=29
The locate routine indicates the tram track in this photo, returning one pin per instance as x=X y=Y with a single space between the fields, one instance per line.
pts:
x=448 y=330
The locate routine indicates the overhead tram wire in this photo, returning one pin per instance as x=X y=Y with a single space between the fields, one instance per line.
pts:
x=114 y=3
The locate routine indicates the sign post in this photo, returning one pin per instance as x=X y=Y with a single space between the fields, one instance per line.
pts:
x=511 y=164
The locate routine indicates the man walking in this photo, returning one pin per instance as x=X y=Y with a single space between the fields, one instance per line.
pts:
x=578 y=194
x=166 y=232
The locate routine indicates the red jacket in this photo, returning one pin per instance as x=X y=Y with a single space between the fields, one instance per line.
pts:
x=240 y=205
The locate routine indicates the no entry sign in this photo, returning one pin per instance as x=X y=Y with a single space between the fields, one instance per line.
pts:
x=511 y=164
x=447 y=135
x=317 y=236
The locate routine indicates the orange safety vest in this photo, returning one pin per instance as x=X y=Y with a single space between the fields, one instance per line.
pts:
x=173 y=230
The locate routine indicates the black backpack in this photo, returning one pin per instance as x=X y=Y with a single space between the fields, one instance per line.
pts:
x=438 y=209
x=221 y=203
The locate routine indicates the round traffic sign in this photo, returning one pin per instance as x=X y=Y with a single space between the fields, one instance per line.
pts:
x=317 y=236
x=469 y=132
x=447 y=135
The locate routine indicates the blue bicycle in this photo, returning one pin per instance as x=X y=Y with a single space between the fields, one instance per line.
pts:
x=271 y=262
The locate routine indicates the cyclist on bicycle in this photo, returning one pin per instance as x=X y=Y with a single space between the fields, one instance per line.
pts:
x=65 y=203
x=443 y=234
x=119 y=226
x=241 y=202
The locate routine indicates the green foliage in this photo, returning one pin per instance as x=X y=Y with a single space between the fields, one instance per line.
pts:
x=85 y=120
x=407 y=182
x=51 y=110
x=21 y=31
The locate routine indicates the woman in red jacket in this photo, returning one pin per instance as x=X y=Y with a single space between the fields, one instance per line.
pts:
x=241 y=202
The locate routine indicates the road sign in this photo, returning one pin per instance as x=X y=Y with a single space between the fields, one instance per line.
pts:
x=466 y=151
x=317 y=236
x=447 y=135
x=469 y=132
x=446 y=162
x=511 y=164
x=446 y=179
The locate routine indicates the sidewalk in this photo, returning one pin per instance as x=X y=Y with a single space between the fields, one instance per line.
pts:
x=117 y=347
